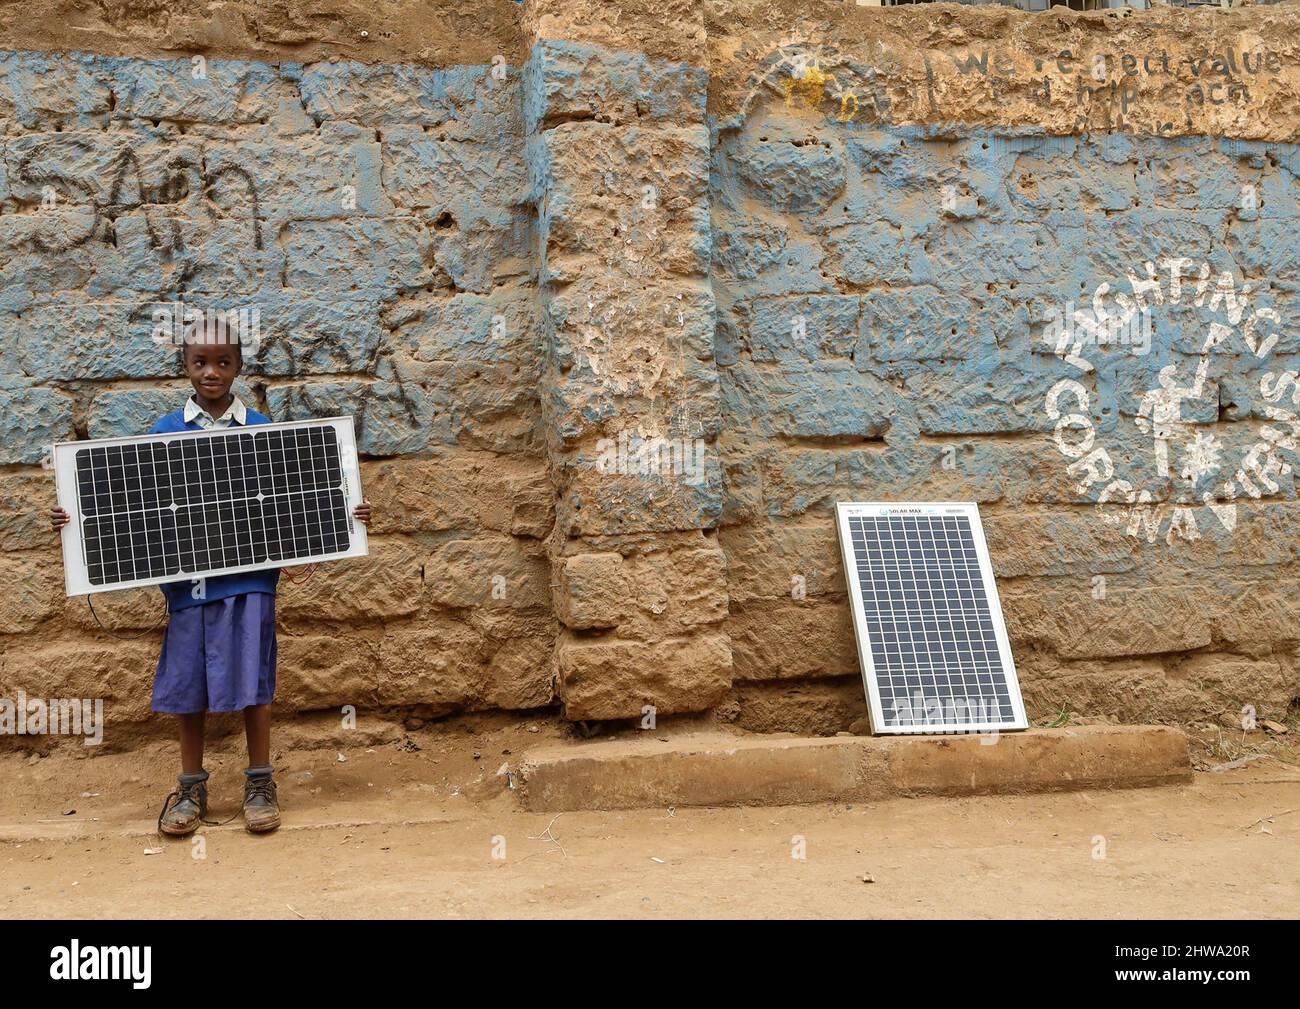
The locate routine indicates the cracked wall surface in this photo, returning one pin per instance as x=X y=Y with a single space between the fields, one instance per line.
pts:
x=904 y=209
x=379 y=218
x=624 y=296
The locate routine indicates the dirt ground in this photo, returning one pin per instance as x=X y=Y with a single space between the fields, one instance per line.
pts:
x=395 y=831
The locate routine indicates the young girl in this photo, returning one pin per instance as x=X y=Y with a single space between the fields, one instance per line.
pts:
x=218 y=653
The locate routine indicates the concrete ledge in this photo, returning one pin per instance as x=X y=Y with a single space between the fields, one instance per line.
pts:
x=721 y=770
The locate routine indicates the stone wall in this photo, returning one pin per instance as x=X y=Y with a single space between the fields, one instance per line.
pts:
x=379 y=218
x=624 y=306
x=904 y=209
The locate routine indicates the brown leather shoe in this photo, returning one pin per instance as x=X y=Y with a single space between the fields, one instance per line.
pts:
x=184 y=809
x=261 y=808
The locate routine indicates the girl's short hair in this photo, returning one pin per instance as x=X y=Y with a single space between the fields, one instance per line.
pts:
x=210 y=330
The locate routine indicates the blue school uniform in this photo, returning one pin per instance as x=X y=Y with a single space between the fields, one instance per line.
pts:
x=218 y=653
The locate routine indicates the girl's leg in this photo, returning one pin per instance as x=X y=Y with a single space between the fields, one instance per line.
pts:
x=191 y=730
x=261 y=808
x=257 y=728
x=191 y=796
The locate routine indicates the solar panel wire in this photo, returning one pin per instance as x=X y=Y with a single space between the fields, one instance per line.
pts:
x=127 y=637
x=308 y=571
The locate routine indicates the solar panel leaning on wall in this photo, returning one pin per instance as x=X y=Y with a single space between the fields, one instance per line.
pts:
x=932 y=643
x=195 y=504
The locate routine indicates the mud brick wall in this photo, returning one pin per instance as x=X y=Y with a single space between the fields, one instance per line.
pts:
x=904 y=209
x=619 y=143
x=624 y=296
x=378 y=217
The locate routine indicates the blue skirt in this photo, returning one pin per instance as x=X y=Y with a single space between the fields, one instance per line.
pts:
x=219 y=656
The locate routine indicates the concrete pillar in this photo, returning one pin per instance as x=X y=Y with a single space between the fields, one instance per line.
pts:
x=618 y=154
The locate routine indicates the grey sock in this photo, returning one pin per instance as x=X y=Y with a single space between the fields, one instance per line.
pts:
x=259 y=772
x=193 y=777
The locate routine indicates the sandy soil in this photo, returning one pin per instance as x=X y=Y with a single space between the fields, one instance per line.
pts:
x=392 y=831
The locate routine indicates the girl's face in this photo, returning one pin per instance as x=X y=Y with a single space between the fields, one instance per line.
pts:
x=212 y=368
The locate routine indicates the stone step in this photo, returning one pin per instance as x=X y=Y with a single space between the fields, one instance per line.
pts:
x=715 y=769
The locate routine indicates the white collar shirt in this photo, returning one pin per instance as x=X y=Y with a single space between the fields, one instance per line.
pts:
x=236 y=413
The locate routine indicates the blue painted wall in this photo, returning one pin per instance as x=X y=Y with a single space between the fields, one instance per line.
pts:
x=377 y=217
x=886 y=297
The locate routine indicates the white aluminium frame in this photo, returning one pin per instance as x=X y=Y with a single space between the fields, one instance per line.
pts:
x=76 y=576
x=846 y=510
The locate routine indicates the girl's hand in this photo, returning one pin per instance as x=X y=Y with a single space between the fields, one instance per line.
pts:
x=58 y=518
x=362 y=512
